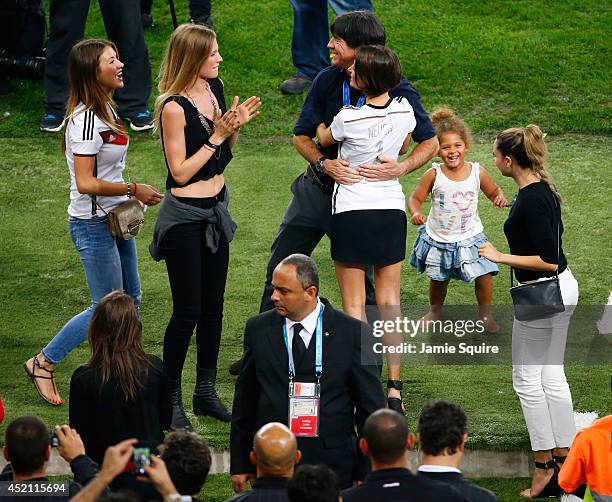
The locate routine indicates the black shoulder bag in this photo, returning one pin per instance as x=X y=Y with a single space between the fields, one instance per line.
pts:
x=538 y=299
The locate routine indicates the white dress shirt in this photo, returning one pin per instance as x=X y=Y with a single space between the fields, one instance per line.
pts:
x=309 y=325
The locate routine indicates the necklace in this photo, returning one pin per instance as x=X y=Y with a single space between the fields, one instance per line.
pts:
x=201 y=116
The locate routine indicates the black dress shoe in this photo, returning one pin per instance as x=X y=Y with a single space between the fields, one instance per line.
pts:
x=234 y=368
x=295 y=85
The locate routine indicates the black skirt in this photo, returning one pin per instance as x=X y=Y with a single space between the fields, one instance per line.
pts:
x=369 y=237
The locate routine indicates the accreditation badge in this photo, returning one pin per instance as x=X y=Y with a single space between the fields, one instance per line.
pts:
x=304 y=403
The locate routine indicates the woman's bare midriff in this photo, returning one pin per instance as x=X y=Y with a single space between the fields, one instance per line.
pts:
x=204 y=188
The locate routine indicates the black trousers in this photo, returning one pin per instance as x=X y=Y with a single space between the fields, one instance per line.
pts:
x=123 y=27
x=306 y=220
x=197 y=280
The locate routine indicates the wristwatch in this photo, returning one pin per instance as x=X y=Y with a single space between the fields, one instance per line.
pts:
x=318 y=165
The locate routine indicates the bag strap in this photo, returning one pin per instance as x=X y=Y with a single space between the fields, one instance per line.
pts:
x=556 y=276
x=94 y=201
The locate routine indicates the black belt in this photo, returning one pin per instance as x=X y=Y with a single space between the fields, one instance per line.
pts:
x=326 y=189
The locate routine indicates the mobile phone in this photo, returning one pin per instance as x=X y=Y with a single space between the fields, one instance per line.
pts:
x=141 y=458
x=53 y=439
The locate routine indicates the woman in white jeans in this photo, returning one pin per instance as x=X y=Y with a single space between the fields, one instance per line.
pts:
x=534 y=231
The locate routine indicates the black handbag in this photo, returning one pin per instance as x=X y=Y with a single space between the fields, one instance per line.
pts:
x=537 y=299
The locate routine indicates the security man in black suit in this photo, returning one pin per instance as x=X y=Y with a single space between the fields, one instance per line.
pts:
x=303 y=366
x=386 y=442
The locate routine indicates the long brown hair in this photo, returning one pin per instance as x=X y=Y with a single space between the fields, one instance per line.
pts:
x=189 y=46
x=527 y=147
x=83 y=68
x=115 y=338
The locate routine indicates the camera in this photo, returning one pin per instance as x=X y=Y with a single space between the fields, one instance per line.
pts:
x=32 y=67
x=53 y=439
x=141 y=457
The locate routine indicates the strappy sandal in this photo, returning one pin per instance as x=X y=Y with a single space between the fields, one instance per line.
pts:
x=552 y=488
x=395 y=403
x=33 y=376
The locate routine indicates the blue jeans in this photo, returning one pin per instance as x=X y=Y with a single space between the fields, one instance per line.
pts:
x=311 y=32
x=110 y=264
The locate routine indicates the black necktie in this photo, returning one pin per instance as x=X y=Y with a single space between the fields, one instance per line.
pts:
x=298 y=348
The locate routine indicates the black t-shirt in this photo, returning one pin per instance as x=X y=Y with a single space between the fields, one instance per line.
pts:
x=325 y=99
x=196 y=136
x=531 y=229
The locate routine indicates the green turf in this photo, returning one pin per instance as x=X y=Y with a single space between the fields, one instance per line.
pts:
x=498 y=64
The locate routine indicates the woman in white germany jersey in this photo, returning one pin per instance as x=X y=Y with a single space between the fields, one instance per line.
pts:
x=369 y=217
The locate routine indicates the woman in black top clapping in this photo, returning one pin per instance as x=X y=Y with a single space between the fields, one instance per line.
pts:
x=194 y=227
x=122 y=392
x=535 y=236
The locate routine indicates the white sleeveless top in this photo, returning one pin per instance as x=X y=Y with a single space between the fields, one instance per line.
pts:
x=453 y=216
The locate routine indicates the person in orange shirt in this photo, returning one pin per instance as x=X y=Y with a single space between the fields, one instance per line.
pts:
x=589 y=461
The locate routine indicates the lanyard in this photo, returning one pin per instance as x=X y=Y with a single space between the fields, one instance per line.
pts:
x=319 y=347
x=346 y=96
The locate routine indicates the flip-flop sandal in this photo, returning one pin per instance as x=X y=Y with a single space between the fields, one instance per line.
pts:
x=33 y=376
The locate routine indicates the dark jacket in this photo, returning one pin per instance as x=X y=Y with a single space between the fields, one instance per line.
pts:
x=350 y=391
x=471 y=491
x=83 y=468
x=390 y=485
x=272 y=489
x=103 y=417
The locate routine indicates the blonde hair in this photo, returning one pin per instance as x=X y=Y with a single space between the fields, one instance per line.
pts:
x=189 y=46
x=83 y=69
x=444 y=121
x=527 y=147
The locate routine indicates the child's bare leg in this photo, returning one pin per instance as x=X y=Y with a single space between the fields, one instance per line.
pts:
x=437 y=295
x=483 y=286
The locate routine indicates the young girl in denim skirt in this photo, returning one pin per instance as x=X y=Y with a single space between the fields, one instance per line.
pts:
x=447 y=243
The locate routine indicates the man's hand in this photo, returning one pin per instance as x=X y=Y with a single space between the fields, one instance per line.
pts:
x=340 y=171
x=116 y=458
x=158 y=473
x=239 y=482
x=388 y=169
x=70 y=443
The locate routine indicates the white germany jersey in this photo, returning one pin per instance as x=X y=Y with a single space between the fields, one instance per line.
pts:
x=86 y=134
x=364 y=134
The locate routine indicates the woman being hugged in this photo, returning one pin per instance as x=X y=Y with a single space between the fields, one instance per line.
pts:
x=96 y=147
x=194 y=228
x=369 y=218
x=534 y=230
x=447 y=244
x=121 y=392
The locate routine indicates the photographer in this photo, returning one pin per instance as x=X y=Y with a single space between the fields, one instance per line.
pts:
x=115 y=461
x=28 y=450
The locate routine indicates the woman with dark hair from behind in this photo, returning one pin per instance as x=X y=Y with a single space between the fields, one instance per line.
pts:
x=121 y=392
x=534 y=230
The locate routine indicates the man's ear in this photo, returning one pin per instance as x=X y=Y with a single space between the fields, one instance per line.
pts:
x=253 y=457
x=463 y=441
x=5 y=453
x=298 y=456
x=312 y=292
x=363 y=446
x=410 y=441
x=48 y=453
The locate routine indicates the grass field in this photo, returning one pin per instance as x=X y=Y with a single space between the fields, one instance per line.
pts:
x=498 y=64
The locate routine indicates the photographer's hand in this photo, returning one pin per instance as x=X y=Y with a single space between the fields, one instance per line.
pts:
x=158 y=473
x=70 y=443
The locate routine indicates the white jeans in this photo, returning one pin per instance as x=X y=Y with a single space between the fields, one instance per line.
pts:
x=537 y=373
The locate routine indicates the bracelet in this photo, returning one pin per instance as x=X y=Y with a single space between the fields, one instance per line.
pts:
x=212 y=145
x=129 y=194
x=210 y=148
x=135 y=189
